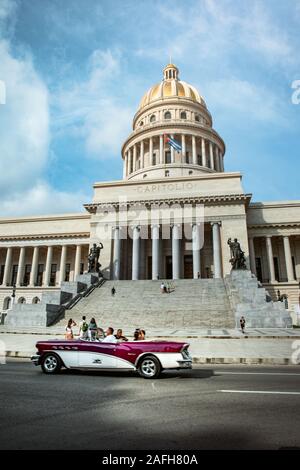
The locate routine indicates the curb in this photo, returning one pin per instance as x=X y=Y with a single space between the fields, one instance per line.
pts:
x=198 y=359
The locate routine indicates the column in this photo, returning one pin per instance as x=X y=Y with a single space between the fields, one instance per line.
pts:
x=34 y=266
x=142 y=154
x=172 y=151
x=270 y=259
x=176 y=239
x=196 y=251
x=203 y=151
x=252 y=255
x=183 y=148
x=288 y=259
x=7 y=269
x=217 y=249
x=161 y=149
x=47 y=274
x=62 y=266
x=125 y=166
x=129 y=162
x=194 y=151
x=20 y=274
x=155 y=251
x=117 y=254
x=211 y=156
x=134 y=157
x=150 y=151
x=77 y=261
x=135 y=253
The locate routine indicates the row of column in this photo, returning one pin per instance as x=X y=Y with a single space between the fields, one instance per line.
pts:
x=211 y=154
x=270 y=258
x=176 y=251
x=35 y=263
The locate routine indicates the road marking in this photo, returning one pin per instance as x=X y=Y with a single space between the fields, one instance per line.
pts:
x=259 y=391
x=257 y=373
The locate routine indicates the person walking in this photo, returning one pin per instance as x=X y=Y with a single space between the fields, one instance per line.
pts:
x=242 y=324
x=113 y=291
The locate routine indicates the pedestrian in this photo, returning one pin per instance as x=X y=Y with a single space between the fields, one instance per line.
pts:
x=113 y=291
x=162 y=288
x=83 y=328
x=242 y=323
x=92 y=329
x=69 y=331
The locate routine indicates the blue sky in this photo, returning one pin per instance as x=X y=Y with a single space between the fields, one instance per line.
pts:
x=76 y=70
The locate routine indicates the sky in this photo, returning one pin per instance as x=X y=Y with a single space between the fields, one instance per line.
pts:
x=72 y=74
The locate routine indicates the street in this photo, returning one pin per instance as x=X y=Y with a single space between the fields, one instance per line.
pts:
x=209 y=407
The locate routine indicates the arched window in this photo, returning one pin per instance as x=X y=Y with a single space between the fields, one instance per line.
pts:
x=197 y=117
x=183 y=115
x=21 y=300
x=190 y=172
x=6 y=303
x=153 y=118
x=35 y=300
x=167 y=115
x=141 y=123
x=167 y=173
x=145 y=175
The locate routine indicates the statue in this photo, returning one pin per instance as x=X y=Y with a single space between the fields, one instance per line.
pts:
x=93 y=258
x=237 y=256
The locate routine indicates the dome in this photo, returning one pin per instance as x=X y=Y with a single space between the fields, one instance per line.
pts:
x=171 y=87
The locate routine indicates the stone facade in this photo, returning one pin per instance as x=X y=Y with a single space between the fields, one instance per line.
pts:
x=170 y=216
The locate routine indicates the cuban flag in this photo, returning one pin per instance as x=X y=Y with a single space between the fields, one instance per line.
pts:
x=173 y=143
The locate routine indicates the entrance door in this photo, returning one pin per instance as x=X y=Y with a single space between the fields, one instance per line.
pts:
x=188 y=267
x=169 y=272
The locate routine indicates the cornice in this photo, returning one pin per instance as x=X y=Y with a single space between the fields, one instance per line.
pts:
x=37 y=237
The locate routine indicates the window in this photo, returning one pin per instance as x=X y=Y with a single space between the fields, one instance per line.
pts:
x=21 y=300
x=1 y=273
x=6 y=303
x=145 y=175
x=39 y=278
x=187 y=157
x=27 y=274
x=190 y=172
x=81 y=268
x=14 y=274
x=154 y=159
x=197 y=117
x=168 y=156
x=167 y=173
x=276 y=268
x=258 y=269
x=141 y=123
x=199 y=159
x=294 y=267
x=53 y=275
x=35 y=300
x=68 y=269
x=183 y=115
x=167 y=115
x=153 y=118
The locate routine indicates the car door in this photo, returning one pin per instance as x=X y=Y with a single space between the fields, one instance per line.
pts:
x=97 y=355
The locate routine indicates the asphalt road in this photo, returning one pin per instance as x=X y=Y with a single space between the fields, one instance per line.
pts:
x=209 y=407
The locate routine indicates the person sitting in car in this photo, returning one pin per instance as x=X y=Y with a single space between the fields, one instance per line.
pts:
x=109 y=338
x=142 y=335
x=119 y=336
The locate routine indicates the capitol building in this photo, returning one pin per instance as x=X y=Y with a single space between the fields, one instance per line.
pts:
x=170 y=217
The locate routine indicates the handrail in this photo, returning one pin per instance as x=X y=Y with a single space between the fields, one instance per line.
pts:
x=74 y=301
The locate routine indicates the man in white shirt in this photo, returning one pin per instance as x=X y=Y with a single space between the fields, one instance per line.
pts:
x=109 y=338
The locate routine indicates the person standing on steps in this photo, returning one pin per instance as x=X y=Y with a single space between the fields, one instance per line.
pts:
x=83 y=328
x=243 y=323
x=113 y=291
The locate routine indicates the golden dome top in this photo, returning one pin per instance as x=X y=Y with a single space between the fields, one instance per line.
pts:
x=171 y=87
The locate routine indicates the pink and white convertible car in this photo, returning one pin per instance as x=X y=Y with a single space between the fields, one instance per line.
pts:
x=149 y=358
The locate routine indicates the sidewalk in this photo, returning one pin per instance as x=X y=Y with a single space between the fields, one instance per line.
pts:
x=214 y=350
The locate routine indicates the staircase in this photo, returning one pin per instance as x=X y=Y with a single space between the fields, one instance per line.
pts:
x=191 y=303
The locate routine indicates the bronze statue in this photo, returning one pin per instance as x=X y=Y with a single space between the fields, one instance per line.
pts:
x=93 y=258
x=237 y=256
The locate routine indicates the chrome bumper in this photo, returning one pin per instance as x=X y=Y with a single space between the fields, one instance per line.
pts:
x=35 y=359
x=185 y=364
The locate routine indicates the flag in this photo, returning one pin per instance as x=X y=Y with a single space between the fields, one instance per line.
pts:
x=173 y=143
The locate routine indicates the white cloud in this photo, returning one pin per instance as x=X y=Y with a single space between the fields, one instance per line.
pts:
x=42 y=199
x=92 y=109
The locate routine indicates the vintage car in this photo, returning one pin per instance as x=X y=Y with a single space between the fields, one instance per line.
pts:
x=149 y=358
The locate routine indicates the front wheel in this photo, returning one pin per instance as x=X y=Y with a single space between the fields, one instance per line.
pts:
x=51 y=364
x=149 y=367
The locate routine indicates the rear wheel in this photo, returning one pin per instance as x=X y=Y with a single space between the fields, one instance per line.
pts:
x=51 y=364
x=149 y=367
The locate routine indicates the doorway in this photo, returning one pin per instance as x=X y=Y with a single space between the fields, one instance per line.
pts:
x=188 y=267
x=169 y=266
